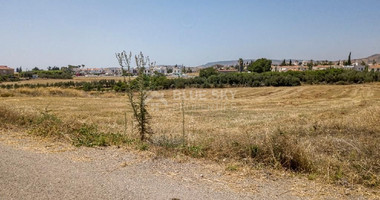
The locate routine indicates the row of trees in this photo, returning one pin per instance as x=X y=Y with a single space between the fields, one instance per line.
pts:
x=311 y=63
x=283 y=63
x=52 y=74
x=258 y=66
x=159 y=81
x=19 y=69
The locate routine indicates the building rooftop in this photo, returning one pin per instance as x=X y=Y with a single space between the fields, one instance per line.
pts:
x=4 y=67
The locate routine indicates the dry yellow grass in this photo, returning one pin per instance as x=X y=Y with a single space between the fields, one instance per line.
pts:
x=331 y=131
x=54 y=91
x=75 y=79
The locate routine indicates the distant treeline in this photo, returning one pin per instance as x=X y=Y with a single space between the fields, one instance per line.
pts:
x=50 y=74
x=158 y=82
x=8 y=78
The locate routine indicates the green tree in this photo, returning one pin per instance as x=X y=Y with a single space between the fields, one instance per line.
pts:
x=349 y=59
x=290 y=62
x=310 y=65
x=207 y=72
x=241 y=64
x=19 y=69
x=283 y=63
x=260 y=65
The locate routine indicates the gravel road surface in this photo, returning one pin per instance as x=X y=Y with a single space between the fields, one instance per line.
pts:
x=42 y=171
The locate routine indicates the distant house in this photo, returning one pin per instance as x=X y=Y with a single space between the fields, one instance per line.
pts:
x=375 y=68
x=93 y=71
x=113 y=71
x=147 y=71
x=359 y=67
x=160 y=69
x=177 y=70
x=274 y=68
x=305 y=62
x=355 y=66
x=190 y=70
x=5 y=70
x=348 y=67
x=322 y=67
x=289 y=68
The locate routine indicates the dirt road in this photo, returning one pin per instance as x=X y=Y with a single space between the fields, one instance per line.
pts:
x=42 y=171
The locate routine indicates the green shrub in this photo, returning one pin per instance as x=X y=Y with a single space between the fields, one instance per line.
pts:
x=194 y=151
x=207 y=72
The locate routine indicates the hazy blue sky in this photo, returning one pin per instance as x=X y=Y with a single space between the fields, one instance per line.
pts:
x=60 y=32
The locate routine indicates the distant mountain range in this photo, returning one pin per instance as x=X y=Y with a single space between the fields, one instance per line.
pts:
x=235 y=62
x=225 y=63
x=169 y=66
x=367 y=60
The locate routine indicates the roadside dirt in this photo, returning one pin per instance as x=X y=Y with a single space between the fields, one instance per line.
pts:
x=33 y=168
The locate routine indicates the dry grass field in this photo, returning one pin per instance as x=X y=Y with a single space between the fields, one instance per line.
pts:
x=75 y=79
x=331 y=133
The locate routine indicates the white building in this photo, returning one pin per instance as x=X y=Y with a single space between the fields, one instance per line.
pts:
x=160 y=69
x=359 y=67
x=112 y=71
x=177 y=70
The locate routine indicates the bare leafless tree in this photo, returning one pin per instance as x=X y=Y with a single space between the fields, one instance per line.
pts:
x=137 y=103
x=125 y=62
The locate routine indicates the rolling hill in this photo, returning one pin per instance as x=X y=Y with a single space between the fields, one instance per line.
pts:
x=368 y=60
x=234 y=62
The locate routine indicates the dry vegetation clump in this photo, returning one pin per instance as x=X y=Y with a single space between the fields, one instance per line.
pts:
x=54 y=92
x=347 y=150
x=50 y=126
x=10 y=118
x=50 y=92
x=65 y=92
x=34 y=92
x=75 y=79
x=6 y=93
x=104 y=94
